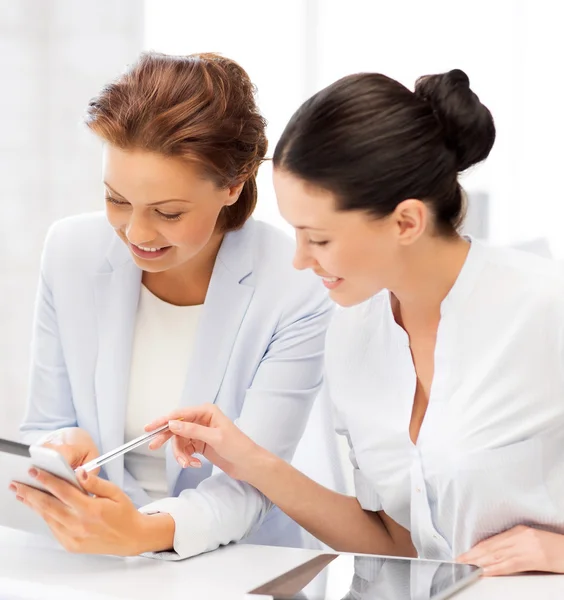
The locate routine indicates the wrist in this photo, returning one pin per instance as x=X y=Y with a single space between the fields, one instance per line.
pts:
x=554 y=552
x=156 y=533
x=261 y=464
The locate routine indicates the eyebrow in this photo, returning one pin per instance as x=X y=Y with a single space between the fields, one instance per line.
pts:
x=152 y=203
x=306 y=227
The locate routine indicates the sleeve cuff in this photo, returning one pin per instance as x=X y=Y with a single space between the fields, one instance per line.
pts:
x=365 y=493
x=193 y=517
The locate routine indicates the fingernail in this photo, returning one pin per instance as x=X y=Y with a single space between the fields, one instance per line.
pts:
x=13 y=488
x=182 y=462
x=33 y=473
x=19 y=498
x=174 y=425
x=195 y=463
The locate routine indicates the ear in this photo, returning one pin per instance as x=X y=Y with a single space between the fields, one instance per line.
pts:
x=411 y=217
x=233 y=194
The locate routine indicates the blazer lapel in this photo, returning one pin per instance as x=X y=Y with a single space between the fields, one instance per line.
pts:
x=227 y=300
x=117 y=294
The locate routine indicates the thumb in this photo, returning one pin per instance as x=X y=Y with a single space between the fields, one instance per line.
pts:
x=97 y=486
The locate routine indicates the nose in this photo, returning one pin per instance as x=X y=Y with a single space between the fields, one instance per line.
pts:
x=139 y=230
x=302 y=257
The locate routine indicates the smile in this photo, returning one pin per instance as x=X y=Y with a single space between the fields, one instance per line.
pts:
x=331 y=282
x=149 y=253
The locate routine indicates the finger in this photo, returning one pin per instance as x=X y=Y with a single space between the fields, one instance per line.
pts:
x=480 y=549
x=481 y=557
x=180 y=414
x=187 y=446
x=195 y=414
x=491 y=559
x=62 y=534
x=160 y=440
x=183 y=451
x=61 y=489
x=159 y=422
x=101 y=488
x=208 y=435
x=45 y=505
x=509 y=566
x=488 y=546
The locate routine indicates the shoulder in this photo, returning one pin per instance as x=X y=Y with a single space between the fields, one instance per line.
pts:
x=274 y=275
x=271 y=247
x=535 y=280
x=74 y=242
x=87 y=227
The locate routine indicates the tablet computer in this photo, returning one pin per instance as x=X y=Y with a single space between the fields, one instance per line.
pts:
x=363 y=577
x=15 y=461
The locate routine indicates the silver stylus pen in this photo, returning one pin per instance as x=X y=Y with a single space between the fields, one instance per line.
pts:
x=139 y=441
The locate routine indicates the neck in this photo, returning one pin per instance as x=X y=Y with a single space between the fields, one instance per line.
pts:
x=186 y=285
x=429 y=272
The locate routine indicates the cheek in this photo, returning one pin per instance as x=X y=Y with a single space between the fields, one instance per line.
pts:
x=116 y=217
x=118 y=220
x=344 y=259
x=193 y=232
x=359 y=258
x=331 y=260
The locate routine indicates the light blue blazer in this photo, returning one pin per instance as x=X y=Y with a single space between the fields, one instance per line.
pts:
x=258 y=355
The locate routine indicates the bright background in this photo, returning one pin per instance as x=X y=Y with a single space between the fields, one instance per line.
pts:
x=56 y=54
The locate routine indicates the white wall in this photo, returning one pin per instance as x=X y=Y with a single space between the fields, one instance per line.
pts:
x=511 y=49
x=269 y=39
x=54 y=56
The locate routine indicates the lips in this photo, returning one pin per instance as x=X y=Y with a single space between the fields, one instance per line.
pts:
x=330 y=282
x=149 y=253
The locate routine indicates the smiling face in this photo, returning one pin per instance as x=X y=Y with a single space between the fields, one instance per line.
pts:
x=356 y=254
x=162 y=207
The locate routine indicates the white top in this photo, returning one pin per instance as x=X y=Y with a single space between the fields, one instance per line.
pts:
x=489 y=453
x=162 y=347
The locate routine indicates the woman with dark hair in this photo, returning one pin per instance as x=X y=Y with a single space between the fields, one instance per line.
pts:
x=445 y=367
x=172 y=298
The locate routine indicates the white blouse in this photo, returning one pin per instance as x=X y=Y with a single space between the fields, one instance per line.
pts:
x=490 y=453
x=162 y=347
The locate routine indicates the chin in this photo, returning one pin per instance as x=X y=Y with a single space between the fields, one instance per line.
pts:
x=149 y=266
x=347 y=300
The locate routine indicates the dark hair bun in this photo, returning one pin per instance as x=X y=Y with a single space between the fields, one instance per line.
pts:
x=468 y=125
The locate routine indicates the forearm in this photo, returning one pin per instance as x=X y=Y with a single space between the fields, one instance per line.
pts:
x=335 y=519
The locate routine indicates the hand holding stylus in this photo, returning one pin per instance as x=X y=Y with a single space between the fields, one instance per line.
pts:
x=205 y=430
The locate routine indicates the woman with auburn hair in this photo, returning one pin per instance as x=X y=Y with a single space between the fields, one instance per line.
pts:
x=174 y=297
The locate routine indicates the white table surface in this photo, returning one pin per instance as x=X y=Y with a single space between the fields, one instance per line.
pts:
x=34 y=567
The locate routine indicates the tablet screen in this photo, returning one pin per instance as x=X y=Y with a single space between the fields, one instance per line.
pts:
x=349 y=577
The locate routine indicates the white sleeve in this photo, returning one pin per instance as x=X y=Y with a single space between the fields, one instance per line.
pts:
x=365 y=493
x=275 y=412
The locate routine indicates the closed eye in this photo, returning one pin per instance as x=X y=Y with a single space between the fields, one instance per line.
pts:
x=115 y=201
x=323 y=243
x=169 y=217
